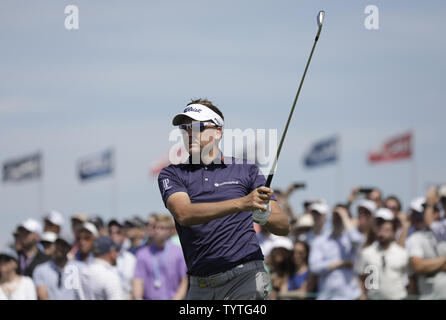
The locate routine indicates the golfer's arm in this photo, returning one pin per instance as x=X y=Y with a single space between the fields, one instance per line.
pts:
x=189 y=214
x=278 y=221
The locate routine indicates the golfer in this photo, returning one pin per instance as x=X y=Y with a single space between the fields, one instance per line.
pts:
x=214 y=200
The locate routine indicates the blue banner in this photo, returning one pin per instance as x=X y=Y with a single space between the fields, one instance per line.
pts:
x=322 y=152
x=25 y=168
x=96 y=165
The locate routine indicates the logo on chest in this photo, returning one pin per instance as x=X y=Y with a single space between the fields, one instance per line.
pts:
x=225 y=183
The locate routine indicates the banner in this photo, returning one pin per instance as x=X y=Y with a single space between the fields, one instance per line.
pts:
x=396 y=148
x=97 y=165
x=322 y=152
x=25 y=168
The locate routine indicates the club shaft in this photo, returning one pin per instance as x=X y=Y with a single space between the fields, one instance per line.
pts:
x=273 y=168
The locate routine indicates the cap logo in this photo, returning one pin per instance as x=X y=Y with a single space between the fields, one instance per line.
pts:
x=191 y=109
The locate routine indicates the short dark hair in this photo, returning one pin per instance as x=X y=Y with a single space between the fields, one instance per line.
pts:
x=208 y=104
x=395 y=198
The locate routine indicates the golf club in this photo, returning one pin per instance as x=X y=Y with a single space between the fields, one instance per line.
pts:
x=320 y=19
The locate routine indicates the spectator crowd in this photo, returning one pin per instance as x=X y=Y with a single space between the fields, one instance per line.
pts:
x=367 y=247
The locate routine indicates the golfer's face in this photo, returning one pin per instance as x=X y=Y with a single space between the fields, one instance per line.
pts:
x=196 y=139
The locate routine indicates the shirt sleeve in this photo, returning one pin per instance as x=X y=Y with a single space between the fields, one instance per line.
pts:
x=438 y=228
x=414 y=247
x=257 y=178
x=360 y=263
x=139 y=268
x=182 y=268
x=169 y=183
x=38 y=276
x=355 y=237
x=317 y=263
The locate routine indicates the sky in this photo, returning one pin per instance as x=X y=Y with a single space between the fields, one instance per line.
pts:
x=119 y=79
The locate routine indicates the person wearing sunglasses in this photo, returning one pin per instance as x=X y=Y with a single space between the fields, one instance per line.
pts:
x=51 y=278
x=215 y=200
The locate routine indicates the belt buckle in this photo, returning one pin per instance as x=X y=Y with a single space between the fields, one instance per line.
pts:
x=202 y=283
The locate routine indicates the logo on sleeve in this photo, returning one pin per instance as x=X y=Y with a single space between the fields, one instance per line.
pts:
x=166 y=185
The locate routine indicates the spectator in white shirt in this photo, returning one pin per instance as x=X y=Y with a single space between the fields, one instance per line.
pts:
x=383 y=266
x=100 y=279
x=126 y=261
x=426 y=259
x=12 y=285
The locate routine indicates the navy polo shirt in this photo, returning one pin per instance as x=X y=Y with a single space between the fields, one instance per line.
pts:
x=223 y=243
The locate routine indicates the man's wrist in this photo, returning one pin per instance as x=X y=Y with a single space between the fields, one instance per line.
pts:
x=239 y=204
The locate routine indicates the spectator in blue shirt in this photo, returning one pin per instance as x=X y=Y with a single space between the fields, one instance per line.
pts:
x=332 y=256
x=297 y=284
x=50 y=277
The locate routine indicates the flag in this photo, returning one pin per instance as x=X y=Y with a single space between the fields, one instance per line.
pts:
x=97 y=165
x=177 y=154
x=25 y=168
x=159 y=165
x=322 y=152
x=396 y=148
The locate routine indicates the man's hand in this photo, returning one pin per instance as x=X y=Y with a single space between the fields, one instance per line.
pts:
x=258 y=199
x=404 y=220
x=258 y=202
x=346 y=220
x=353 y=194
x=432 y=197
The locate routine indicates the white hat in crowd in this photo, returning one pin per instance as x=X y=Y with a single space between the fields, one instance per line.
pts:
x=367 y=204
x=305 y=221
x=417 y=204
x=48 y=237
x=384 y=214
x=282 y=242
x=91 y=227
x=55 y=217
x=322 y=208
x=32 y=226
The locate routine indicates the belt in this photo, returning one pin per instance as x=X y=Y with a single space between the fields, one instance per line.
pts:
x=222 y=278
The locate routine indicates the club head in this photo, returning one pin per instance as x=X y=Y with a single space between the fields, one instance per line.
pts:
x=320 y=18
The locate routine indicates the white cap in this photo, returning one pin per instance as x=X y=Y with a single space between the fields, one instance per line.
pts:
x=305 y=221
x=55 y=217
x=322 y=208
x=198 y=112
x=282 y=242
x=417 y=204
x=367 y=204
x=32 y=226
x=90 y=227
x=48 y=237
x=442 y=191
x=384 y=214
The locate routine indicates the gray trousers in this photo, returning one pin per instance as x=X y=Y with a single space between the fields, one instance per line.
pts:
x=248 y=281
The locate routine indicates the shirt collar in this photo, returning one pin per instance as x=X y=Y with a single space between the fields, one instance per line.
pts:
x=220 y=156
